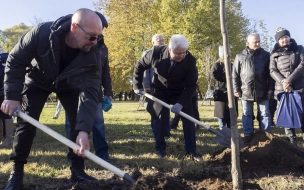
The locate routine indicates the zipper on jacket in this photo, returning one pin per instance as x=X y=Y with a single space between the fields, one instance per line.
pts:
x=67 y=74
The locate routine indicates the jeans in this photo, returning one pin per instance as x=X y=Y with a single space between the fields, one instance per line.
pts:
x=98 y=130
x=224 y=123
x=265 y=118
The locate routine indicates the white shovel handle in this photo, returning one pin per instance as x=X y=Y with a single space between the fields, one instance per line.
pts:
x=73 y=145
x=183 y=114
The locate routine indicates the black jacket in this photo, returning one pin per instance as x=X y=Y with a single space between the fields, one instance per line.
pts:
x=251 y=75
x=106 y=81
x=221 y=109
x=177 y=85
x=37 y=56
x=288 y=63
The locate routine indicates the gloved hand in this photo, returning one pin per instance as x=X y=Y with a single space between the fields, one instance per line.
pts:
x=176 y=108
x=139 y=91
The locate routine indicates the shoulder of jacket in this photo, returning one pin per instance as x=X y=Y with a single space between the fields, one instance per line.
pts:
x=300 y=47
x=159 y=49
x=265 y=52
x=146 y=52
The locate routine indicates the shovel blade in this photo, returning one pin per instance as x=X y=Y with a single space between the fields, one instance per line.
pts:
x=223 y=137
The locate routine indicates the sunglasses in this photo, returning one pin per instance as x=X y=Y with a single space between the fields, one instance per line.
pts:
x=92 y=38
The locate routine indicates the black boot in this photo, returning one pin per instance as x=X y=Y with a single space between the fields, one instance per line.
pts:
x=16 y=178
x=80 y=175
x=291 y=135
x=293 y=140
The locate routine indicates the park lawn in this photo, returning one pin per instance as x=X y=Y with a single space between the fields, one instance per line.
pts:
x=131 y=144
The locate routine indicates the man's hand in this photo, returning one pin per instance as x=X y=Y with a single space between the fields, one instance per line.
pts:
x=83 y=141
x=8 y=106
x=238 y=94
x=288 y=89
x=176 y=108
x=285 y=83
x=110 y=97
x=139 y=91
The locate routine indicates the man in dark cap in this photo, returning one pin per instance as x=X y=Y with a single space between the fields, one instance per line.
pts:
x=281 y=32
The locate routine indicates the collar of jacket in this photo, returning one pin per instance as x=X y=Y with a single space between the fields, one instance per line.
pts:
x=293 y=46
x=59 y=28
x=253 y=52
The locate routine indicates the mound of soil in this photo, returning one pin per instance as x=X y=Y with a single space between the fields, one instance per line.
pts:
x=264 y=155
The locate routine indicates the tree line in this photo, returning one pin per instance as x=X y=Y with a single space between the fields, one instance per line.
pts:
x=133 y=23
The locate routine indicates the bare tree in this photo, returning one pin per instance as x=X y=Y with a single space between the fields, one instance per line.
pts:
x=207 y=60
x=36 y=21
x=235 y=149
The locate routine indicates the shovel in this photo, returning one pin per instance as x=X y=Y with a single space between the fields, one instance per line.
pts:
x=223 y=137
x=73 y=145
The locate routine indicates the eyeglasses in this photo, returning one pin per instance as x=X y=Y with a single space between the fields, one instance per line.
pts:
x=92 y=38
x=181 y=54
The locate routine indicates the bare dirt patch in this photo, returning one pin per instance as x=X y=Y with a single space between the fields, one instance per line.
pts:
x=265 y=157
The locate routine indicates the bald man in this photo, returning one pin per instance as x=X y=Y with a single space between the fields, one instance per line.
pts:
x=61 y=57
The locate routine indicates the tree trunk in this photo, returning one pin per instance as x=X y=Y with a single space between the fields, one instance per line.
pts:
x=235 y=149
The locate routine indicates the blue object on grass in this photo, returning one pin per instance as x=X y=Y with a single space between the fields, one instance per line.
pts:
x=290 y=110
x=106 y=104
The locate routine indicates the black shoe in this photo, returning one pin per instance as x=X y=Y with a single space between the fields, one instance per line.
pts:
x=80 y=175
x=161 y=154
x=293 y=140
x=108 y=159
x=15 y=180
x=195 y=157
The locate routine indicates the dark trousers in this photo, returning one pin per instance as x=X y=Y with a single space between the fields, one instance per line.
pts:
x=272 y=108
x=161 y=123
x=33 y=100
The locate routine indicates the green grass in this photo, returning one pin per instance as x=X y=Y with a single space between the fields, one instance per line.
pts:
x=131 y=143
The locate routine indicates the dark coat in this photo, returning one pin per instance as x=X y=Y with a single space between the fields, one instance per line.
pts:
x=288 y=63
x=37 y=56
x=106 y=81
x=175 y=86
x=251 y=75
x=221 y=109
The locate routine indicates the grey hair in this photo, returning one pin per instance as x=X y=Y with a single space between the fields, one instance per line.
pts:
x=254 y=35
x=156 y=36
x=178 y=40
